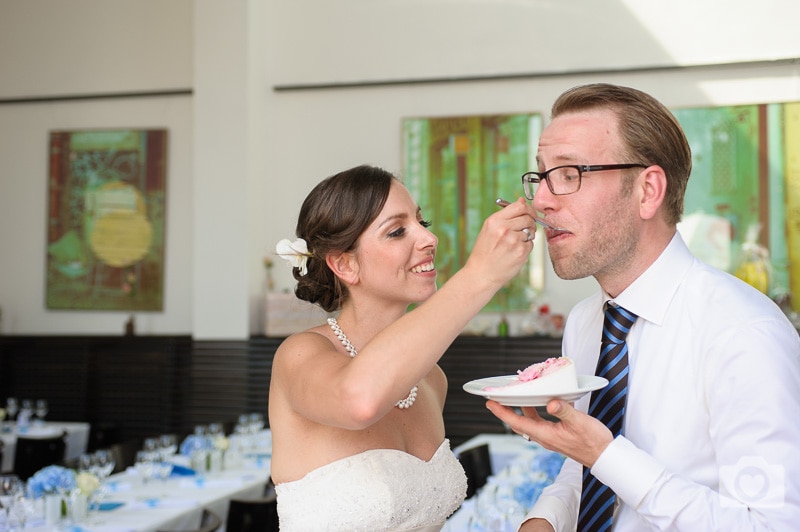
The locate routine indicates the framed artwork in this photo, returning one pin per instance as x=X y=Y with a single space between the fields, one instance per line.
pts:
x=105 y=219
x=455 y=168
x=742 y=208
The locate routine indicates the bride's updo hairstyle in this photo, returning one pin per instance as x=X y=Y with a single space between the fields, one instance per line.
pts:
x=333 y=216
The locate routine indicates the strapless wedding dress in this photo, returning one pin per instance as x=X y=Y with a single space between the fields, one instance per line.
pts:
x=377 y=490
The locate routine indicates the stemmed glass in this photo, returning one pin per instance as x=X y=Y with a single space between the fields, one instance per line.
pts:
x=10 y=485
x=22 y=508
x=86 y=463
x=12 y=407
x=41 y=409
x=150 y=445
x=104 y=463
x=215 y=431
x=25 y=413
x=256 y=422
x=169 y=445
x=145 y=465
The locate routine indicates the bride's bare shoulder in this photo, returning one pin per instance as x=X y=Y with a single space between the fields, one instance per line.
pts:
x=307 y=341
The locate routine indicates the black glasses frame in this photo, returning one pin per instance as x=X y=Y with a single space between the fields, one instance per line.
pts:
x=537 y=177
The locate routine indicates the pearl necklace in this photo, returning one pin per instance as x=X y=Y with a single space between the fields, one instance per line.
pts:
x=351 y=350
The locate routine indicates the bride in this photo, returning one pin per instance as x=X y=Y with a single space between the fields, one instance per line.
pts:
x=355 y=404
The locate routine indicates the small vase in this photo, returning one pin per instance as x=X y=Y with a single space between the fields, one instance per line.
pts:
x=215 y=459
x=200 y=461
x=79 y=506
x=52 y=509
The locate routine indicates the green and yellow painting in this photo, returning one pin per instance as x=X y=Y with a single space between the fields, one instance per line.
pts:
x=105 y=220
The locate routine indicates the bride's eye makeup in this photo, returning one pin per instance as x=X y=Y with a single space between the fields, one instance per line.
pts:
x=400 y=231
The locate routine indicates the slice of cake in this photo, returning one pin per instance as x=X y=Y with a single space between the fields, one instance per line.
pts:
x=554 y=375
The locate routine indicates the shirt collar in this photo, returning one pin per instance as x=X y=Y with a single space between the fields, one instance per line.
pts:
x=650 y=294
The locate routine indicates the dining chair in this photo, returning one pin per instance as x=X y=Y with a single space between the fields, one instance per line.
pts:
x=124 y=453
x=252 y=515
x=209 y=522
x=102 y=436
x=32 y=454
x=477 y=464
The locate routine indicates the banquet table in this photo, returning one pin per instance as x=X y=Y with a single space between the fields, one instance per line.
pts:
x=520 y=470
x=77 y=437
x=176 y=503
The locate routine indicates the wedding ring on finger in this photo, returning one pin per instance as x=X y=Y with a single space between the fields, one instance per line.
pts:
x=528 y=234
x=525 y=437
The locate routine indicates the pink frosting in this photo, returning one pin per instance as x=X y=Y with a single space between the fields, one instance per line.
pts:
x=534 y=371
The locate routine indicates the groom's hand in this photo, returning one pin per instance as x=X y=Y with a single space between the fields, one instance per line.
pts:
x=576 y=435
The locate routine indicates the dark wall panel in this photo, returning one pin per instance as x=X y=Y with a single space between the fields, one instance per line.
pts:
x=149 y=385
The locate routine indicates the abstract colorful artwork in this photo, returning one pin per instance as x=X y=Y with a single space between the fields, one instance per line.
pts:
x=105 y=219
x=456 y=167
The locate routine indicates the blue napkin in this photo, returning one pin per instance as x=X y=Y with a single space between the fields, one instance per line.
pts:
x=108 y=506
x=182 y=471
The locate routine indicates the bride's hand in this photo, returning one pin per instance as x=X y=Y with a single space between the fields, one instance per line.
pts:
x=501 y=248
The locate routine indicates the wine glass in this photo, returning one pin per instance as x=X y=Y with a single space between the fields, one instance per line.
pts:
x=104 y=462
x=12 y=407
x=25 y=413
x=86 y=463
x=215 y=430
x=22 y=508
x=10 y=485
x=169 y=445
x=150 y=445
x=145 y=465
x=256 y=421
x=41 y=409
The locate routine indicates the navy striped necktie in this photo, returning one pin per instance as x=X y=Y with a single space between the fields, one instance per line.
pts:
x=607 y=405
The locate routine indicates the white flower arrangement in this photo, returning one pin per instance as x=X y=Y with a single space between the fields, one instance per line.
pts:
x=221 y=443
x=295 y=252
x=87 y=482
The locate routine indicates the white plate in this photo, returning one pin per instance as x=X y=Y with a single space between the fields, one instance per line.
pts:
x=509 y=397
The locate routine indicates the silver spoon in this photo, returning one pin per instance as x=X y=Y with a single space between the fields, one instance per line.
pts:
x=503 y=203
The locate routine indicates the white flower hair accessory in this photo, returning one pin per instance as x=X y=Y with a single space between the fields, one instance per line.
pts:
x=295 y=252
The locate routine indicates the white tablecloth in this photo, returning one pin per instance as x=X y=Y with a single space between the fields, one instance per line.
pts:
x=176 y=503
x=77 y=438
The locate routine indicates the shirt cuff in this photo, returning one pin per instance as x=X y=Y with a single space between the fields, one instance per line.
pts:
x=615 y=465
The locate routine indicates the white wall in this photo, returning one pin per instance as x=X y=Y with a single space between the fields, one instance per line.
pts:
x=77 y=48
x=243 y=155
x=320 y=121
x=371 y=40
x=52 y=48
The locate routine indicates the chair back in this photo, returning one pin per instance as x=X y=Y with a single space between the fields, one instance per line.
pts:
x=102 y=436
x=477 y=464
x=258 y=515
x=125 y=453
x=209 y=522
x=32 y=454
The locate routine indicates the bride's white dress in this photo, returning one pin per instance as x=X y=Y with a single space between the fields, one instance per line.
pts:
x=377 y=490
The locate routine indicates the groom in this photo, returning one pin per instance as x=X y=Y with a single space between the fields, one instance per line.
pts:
x=706 y=382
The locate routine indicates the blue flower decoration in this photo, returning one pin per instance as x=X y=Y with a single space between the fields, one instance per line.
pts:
x=51 y=479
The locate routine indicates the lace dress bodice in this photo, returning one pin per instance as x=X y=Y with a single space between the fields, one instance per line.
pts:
x=377 y=490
